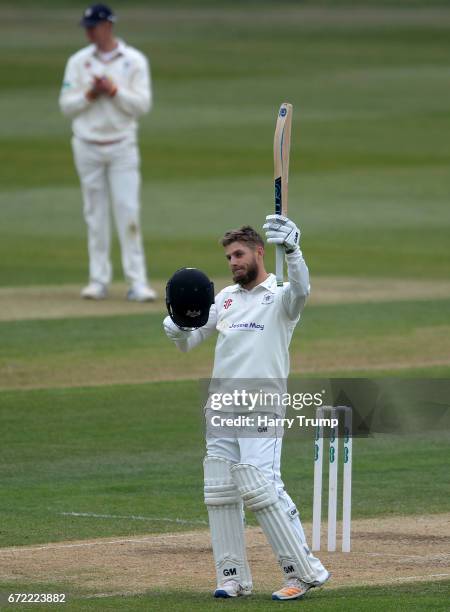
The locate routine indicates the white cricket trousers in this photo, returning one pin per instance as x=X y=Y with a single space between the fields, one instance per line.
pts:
x=109 y=174
x=265 y=454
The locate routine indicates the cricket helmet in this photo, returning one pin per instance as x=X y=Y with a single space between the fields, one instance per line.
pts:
x=95 y=14
x=189 y=296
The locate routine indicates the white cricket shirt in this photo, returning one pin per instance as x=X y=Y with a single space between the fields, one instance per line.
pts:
x=106 y=119
x=255 y=327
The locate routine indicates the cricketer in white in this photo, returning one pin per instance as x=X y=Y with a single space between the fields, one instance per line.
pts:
x=106 y=88
x=255 y=320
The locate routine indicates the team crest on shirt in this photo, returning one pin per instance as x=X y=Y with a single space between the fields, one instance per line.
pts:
x=267 y=298
x=227 y=303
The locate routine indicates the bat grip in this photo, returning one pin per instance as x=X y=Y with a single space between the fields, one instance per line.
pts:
x=279 y=264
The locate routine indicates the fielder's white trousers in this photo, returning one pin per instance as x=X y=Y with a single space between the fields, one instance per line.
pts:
x=264 y=453
x=109 y=174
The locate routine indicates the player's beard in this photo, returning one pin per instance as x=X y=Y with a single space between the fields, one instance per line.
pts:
x=248 y=277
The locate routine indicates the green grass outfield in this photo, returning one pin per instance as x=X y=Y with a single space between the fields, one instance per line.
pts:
x=137 y=450
x=369 y=177
x=100 y=415
x=331 y=338
x=389 y=598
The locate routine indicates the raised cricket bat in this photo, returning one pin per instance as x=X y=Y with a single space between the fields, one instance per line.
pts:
x=281 y=147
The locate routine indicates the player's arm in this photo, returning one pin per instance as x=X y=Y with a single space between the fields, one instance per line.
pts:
x=297 y=290
x=136 y=99
x=73 y=98
x=282 y=231
x=187 y=340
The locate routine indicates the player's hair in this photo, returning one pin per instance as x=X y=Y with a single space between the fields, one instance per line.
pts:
x=245 y=234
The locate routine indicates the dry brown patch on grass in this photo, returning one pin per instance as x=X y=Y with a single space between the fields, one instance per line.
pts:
x=384 y=550
x=61 y=301
x=62 y=372
x=424 y=348
x=351 y=290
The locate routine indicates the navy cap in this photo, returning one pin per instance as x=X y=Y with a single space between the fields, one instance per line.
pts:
x=96 y=14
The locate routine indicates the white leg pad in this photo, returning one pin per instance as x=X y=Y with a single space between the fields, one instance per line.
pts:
x=261 y=497
x=226 y=523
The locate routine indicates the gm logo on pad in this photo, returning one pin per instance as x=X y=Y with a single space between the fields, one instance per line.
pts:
x=283 y=111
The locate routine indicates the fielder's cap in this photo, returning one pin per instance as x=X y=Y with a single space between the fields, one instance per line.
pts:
x=189 y=296
x=96 y=14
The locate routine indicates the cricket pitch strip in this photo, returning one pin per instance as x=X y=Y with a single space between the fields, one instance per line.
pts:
x=384 y=551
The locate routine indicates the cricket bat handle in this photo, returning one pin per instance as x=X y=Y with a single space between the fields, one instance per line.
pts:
x=279 y=264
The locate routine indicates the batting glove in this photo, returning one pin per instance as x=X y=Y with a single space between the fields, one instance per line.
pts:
x=281 y=230
x=173 y=331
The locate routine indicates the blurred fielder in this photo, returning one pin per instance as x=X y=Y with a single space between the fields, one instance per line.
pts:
x=106 y=88
x=255 y=320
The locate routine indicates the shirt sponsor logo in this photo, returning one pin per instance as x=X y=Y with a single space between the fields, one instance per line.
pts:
x=247 y=326
x=227 y=303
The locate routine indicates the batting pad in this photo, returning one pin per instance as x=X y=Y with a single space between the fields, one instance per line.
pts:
x=226 y=523
x=260 y=496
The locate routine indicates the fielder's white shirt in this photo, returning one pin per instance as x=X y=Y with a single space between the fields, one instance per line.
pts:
x=255 y=327
x=106 y=119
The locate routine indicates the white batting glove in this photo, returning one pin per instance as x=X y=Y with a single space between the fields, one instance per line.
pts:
x=173 y=331
x=281 y=230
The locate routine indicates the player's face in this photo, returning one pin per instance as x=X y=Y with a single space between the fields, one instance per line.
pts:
x=244 y=262
x=100 y=33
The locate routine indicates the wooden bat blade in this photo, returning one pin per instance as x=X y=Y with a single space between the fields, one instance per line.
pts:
x=281 y=149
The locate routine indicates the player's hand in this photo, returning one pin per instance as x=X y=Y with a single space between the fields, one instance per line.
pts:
x=104 y=85
x=281 y=230
x=173 y=331
x=92 y=94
